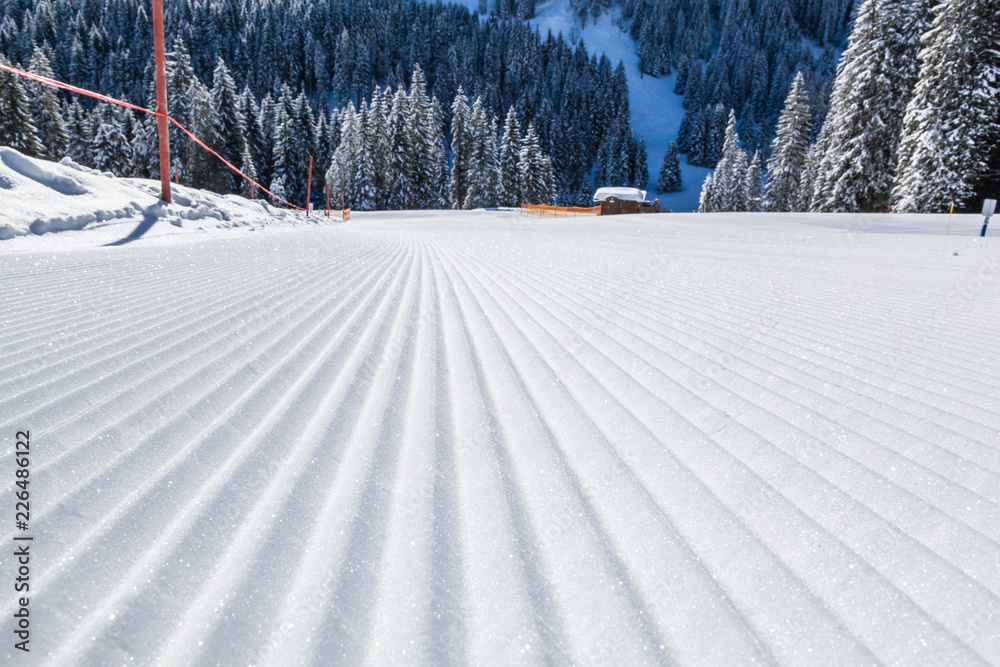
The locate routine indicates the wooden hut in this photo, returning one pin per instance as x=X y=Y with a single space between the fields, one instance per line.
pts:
x=624 y=200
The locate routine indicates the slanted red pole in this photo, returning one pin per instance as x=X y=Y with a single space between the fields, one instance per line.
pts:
x=309 y=185
x=161 y=99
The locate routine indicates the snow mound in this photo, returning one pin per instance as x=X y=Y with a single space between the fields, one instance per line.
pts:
x=38 y=196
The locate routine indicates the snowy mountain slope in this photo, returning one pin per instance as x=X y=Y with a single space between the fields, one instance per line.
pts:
x=655 y=110
x=38 y=196
x=480 y=438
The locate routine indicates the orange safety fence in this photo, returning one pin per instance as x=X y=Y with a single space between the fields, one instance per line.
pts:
x=104 y=98
x=559 y=211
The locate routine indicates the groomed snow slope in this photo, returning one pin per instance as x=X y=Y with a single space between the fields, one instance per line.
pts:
x=479 y=438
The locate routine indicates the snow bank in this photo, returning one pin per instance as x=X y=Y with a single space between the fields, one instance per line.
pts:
x=38 y=196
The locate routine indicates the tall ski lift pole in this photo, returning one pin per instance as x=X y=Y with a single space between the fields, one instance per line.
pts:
x=161 y=100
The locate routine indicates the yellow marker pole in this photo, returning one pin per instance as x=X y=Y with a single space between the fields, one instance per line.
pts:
x=949 y=218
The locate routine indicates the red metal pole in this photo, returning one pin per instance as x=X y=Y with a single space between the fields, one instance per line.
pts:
x=328 y=199
x=309 y=185
x=161 y=99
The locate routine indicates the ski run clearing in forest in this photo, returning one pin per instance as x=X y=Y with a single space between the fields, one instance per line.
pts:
x=481 y=438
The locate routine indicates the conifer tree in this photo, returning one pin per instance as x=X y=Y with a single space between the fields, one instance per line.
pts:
x=482 y=160
x=248 y=189
x=258 y=142
x=461 y=146
x=534 y=188
x=951 y=130
x=419 y=135
x=17 y=129
x=437 y=157
x=200 y=164
x=754 y=185
x=347 y=175
x=46 y=109
x=670 y=171
x=229 y=135
x=180 y=78
x=375 y=135
x=397 y=176
x=806 y=184
x=79 y=133
x=869 y=96
x=110 y=151
x=788 y=152
x=639 y=164
x=548 y=180
x=510 y=155
x=145 y=148
x=706 y=195
x=729 y=180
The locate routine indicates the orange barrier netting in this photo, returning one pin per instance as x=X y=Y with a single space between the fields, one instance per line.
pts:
x=104 y=98
x=559 y=211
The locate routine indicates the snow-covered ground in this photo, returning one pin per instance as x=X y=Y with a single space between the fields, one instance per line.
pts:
x=481 y=438
x=656 y=112
x=38 y=196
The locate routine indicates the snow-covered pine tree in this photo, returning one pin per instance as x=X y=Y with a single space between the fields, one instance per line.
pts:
x=17 y=129
x=145 y=148
x=670 y=171
x=729 y=180
x=548 y=180
x=419 y=136
x=110 y=151
x=277 y=188
x=229 y=134
x=482 y=160
x=706 y=195
x=437 y=157
x=346 y=174
x=461 y=146
x=754 y=185
x=813 y=156
x=639 y=164
x=697 y=136
x=258 y=141
x=46 y=109
x=375 y=134
x=951 y=130
x=248 y=189
x=510 y=155
x=79 y=133
x=293 y=142
x=535 y=185
x=788 y=152
x=304 y=127
x=365 y=192
x=399 y=188
x=180 y=77
x=200 y=163
x=873 y=84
